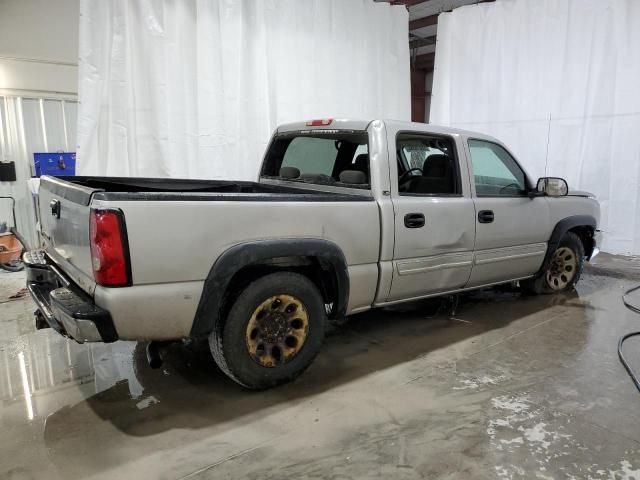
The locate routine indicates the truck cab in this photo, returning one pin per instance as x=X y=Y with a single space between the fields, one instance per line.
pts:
x=457 y=210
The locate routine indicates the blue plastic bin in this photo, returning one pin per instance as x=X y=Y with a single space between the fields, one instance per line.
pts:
x=58 y=164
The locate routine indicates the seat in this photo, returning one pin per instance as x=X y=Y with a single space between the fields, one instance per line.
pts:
x=437 y=176
x=362 y=164
x=353 y=177
x=357 y=172
x=290 y=172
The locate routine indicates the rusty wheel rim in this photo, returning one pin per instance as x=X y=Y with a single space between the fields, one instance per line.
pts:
x=562 y=269
x=277 y=330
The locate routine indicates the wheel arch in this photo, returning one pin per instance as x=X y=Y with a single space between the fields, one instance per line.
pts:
x=583 y=225
x=322 y=261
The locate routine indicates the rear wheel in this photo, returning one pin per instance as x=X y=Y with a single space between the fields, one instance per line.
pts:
x=272 y=333
x=563 y=269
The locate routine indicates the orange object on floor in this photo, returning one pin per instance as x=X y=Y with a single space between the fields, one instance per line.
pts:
x=10 y=247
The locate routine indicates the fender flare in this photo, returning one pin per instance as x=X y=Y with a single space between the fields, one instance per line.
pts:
x=254 y=253
x=561 y=228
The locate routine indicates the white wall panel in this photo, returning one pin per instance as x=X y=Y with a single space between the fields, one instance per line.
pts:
x=24 y=122
x=33 y=130
x=557 y=80
x=71 y=122
x=195 y=89
x=38 y=60
x=55 y=128
x=39 y=46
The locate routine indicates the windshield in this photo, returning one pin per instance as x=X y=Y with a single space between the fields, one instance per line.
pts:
x=320 y=157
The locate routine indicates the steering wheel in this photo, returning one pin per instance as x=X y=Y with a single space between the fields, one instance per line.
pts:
x=517 y=185
x=402 y=178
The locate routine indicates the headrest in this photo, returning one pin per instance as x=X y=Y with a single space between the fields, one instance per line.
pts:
x=362 y=162
x=289 y=172
x=355 y=177
x=436 y=165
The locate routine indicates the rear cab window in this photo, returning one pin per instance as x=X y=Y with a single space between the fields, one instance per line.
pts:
x=320 y=157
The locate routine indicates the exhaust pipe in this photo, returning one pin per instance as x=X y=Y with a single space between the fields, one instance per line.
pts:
x=41 y=322
x=154 y=356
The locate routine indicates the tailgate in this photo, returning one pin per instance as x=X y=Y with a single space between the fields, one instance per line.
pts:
x=64 y=224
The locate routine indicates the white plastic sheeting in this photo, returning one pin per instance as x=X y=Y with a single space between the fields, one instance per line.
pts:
x=195 y=88
x=559 y=82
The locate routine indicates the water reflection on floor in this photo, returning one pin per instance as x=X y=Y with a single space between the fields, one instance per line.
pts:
x=507 y=387
x=44 y=370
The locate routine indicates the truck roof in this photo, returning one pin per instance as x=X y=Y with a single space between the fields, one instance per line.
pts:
x=357 y=124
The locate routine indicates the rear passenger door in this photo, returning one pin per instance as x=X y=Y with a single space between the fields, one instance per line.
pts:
x=511 y=228
x=434 y=217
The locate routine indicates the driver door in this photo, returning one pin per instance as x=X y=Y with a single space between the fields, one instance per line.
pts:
x=511 y=228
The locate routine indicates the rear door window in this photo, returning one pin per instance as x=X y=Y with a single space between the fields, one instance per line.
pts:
x=427 y=165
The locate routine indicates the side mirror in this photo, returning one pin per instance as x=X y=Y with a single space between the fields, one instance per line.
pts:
x=552 y=186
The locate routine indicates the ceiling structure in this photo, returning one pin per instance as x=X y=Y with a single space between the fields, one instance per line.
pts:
x=423 y=27
x=423 y=30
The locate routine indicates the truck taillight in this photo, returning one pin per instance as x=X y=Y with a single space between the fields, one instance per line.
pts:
x=323 y=122
x=109 y=252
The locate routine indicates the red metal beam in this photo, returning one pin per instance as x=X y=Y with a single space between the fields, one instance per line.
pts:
x=417 y=42
x=418 y=95
x=424 y=60
x=431 y=19
x=423 y=22
x=425 y=68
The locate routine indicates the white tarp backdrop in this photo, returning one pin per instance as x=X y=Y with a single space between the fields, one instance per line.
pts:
x=559 y=82
x=194 y=89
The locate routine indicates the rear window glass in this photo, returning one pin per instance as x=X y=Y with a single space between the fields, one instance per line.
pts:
x=340 y=158
x=311 y=155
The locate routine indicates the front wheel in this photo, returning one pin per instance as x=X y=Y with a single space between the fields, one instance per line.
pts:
x=272 y=333
x=563 y=269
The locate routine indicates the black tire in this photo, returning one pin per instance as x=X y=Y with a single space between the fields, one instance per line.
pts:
x=543 y=283
x=229 y=343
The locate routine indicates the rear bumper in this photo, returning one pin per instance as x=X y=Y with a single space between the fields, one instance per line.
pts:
x=65 y=307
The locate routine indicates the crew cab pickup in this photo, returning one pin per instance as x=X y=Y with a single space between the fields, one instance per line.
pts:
x=344 y=216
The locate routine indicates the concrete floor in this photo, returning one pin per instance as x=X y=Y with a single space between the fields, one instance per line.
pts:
x=509 y=387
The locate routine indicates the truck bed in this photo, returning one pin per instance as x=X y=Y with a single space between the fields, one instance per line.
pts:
x=176 y=229
x=127 y=188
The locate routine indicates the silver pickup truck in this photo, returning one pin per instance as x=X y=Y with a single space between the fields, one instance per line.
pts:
x=345 y=216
